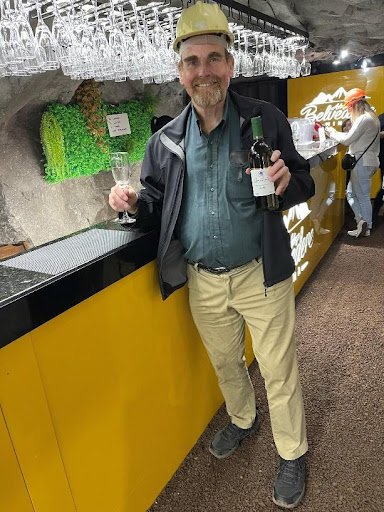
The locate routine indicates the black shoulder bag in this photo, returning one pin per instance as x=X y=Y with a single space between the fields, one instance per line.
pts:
x=349 y=161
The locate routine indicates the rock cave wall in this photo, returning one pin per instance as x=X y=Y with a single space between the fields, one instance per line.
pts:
x=31 y=209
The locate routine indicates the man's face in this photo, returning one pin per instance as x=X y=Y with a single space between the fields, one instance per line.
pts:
x=205 y=73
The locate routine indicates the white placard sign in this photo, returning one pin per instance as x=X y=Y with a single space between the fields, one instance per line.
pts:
x=118 y=124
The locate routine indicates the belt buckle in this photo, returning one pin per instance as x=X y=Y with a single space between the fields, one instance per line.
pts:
x=211 y=270
x=220 y=270
x=215 y=270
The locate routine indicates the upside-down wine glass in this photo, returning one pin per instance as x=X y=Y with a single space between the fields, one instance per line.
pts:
x=305 y=66
x=121 y=171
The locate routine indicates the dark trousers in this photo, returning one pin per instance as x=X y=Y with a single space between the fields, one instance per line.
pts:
x=378 y=202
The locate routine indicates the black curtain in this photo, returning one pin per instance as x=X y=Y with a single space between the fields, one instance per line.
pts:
x=273 y=90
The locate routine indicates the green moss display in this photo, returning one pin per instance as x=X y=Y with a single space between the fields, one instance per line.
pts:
x=72 y=151
x=53 y=144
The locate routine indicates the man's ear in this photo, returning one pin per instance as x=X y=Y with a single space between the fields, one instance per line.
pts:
x=180 y=71
x=231 y=62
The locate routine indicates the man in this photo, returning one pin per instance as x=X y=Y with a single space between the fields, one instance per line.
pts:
x=238 y=260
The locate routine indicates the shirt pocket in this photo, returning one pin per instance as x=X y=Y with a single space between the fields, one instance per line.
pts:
x=239 y=182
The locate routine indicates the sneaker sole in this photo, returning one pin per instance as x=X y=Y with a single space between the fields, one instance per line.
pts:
x=224 y=455
x=228 y=454
x=282 y=504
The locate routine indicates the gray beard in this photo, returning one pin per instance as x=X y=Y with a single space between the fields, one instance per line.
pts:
x=211 y=98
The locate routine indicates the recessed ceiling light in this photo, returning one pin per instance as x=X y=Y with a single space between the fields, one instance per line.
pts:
x=343 y=54
x=336 y=62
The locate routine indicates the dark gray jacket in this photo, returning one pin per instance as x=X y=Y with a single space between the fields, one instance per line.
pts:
x=162 y=176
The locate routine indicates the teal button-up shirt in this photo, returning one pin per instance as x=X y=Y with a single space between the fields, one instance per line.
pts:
x=218 y=223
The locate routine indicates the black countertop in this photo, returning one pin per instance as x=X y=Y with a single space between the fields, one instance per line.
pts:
x=39 y=284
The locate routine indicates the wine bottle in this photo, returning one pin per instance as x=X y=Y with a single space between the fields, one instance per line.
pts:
x=259 y=163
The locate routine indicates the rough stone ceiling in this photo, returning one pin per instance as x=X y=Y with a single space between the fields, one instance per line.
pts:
x=333 y=25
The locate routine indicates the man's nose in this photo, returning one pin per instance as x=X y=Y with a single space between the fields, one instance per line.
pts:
x=204 y=69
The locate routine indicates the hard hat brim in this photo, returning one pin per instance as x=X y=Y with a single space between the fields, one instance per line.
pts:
x=178 y=40
x=346 y=103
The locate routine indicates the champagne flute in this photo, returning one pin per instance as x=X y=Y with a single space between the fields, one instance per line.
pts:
x=121 y=171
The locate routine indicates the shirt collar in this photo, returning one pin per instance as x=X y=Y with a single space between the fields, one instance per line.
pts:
x=195 y=118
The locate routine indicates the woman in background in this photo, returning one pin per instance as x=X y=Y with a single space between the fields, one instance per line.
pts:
x=363 y=133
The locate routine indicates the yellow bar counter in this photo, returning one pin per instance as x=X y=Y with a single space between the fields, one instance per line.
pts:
x=105 y=388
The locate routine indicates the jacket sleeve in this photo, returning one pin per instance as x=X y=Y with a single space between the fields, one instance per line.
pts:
x=150 y=202
x=358 y=129
x=301 y=186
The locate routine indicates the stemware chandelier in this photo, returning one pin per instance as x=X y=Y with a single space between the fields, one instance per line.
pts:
x=128 y=39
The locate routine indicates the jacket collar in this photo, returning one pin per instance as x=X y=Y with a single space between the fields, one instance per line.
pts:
x=176 y=129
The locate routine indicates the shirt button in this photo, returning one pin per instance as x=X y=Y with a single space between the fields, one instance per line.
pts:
x=212 y=212
x=214 y=236
x=211 y=166
x=212 y=189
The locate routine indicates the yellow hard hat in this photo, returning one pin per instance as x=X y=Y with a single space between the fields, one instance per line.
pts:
x=200 y=19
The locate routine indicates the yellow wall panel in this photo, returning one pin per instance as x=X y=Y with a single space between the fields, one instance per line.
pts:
x=129 y=388
x=309 y=244
x=13 y=492
x=28 y=420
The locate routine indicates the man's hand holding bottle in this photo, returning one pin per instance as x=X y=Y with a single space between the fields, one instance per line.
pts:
x=278 y=173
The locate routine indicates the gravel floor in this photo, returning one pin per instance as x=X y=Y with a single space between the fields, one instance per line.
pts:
x=340 y=336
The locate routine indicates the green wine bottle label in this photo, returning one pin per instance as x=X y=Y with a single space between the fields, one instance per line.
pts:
x=257 y=127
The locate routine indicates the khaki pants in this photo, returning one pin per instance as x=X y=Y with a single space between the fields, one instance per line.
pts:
x=220 y=306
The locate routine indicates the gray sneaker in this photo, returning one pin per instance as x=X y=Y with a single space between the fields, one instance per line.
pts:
x=227 y=440
x=289 y=487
